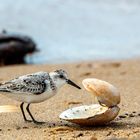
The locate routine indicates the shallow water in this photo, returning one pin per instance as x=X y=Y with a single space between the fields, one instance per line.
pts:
x=73 y=30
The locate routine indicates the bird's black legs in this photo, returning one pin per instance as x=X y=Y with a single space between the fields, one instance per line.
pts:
x=21 y=107
x=28 y=110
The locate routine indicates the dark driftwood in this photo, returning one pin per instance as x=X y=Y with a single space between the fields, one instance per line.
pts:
x=13 y=48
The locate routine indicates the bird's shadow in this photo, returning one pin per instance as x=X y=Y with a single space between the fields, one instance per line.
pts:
x=114 y=125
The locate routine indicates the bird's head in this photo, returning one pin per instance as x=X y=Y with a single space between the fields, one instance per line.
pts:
x=60 y=78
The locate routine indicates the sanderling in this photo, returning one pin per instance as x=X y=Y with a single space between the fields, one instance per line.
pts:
x=35 y=88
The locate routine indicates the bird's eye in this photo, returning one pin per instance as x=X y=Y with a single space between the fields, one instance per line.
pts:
x=61 y=76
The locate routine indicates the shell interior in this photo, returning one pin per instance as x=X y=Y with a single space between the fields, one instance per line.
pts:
x=83 y=112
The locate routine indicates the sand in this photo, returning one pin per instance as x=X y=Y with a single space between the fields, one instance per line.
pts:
x=125 y=75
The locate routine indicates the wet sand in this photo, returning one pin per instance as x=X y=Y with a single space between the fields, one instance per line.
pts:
x=123 y=74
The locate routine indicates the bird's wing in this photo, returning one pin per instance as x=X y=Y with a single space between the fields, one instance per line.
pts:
x=31 y=84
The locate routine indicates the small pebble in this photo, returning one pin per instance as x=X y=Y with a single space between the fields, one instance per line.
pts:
x=87 y=74
x=126 y=114
x=17 y=128
x=66 y=125
x=131 y=115
x=25 y=127
x=80 y=135
x=109 y=133
x=53 y=124
x=122 y=116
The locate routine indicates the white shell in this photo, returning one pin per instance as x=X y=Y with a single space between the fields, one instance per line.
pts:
x=90 y=115
x=95 y=114
x=106 y=93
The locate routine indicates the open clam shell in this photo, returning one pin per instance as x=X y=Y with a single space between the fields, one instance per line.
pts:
x=96 y=114
x=105 y=92
x=90 y=115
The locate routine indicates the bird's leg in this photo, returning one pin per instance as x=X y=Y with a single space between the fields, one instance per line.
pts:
x=22 y=110
x=27 y=108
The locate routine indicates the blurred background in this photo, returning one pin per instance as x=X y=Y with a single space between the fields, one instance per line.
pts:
x=75 y=30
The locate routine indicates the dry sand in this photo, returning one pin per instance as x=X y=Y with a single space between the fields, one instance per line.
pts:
x=124 y=74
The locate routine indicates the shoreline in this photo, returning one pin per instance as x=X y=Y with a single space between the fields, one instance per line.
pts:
x=123 y=74
x=31 y=62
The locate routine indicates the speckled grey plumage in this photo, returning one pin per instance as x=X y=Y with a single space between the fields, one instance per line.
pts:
x=31 y=84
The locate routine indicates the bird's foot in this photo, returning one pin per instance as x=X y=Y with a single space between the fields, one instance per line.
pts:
x=39 y=123
x=29 y=121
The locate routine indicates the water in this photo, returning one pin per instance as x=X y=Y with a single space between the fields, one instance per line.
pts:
x=76 y=30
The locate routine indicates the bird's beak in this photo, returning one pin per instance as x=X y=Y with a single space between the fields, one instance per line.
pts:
x=72 y=84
